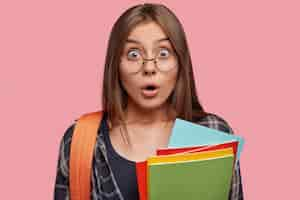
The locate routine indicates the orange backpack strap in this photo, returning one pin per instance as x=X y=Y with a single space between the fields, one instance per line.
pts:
x=81 y=154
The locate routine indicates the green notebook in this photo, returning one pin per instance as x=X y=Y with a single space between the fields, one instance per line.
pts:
x=208 y=179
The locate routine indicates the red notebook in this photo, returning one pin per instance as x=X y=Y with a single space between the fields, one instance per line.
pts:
x=141 y=174
x=141 y=167
x=233 y=144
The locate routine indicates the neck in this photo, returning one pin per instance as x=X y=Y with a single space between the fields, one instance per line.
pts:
x=137 y=115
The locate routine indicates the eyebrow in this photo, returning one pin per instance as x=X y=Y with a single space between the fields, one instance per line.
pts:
x=138 y=42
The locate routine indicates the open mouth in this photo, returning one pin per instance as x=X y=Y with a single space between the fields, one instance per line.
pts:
x=150 y=88
x=150 y=91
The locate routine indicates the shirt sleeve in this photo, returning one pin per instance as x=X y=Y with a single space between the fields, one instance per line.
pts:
x=61 y=189
x=236 y=190
x=216 y=122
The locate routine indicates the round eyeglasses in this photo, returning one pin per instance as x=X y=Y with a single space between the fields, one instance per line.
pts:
x=164 y=60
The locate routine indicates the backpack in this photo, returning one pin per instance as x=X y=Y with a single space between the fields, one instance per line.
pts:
x=81 y=154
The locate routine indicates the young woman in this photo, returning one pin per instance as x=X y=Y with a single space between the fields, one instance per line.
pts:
x=148 y=82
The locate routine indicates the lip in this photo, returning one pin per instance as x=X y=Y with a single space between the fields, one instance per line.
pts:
x=150 y=93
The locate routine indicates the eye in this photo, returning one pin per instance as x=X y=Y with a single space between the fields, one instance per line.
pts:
x=164 y=53
x=133 y=54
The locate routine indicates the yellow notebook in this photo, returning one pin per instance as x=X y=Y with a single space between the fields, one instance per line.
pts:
x=190 y=156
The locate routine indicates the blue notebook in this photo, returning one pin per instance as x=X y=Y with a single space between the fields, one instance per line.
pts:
x=185 y=134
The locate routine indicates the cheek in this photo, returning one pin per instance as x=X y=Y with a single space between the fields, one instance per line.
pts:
x=127 y=81
x=171 y=79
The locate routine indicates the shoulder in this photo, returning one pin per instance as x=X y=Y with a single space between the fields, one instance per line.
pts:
x=65 y=143
x=216 y=122
x=66 y=139
x=67 y=136
x=64 y=152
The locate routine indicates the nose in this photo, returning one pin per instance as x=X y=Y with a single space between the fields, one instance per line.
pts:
x=149 y=67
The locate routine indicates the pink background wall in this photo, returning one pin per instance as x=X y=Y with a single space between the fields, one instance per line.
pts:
x=246 y=62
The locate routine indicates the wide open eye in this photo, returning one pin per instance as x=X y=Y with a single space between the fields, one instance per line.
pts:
x=164 y=53
x=133 y=54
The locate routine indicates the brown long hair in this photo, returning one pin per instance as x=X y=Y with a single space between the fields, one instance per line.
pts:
x=183 y=99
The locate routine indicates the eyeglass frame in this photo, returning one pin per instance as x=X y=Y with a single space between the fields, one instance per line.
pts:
x=155 y=62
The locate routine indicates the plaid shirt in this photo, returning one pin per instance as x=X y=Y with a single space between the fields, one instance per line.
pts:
x=104 y=185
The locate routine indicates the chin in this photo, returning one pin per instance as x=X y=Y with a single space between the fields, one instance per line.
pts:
x=150 y=104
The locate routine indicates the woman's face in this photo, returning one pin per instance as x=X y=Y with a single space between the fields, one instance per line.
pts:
x=148 y=41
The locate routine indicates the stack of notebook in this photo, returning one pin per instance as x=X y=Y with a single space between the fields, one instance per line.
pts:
x=198 y=164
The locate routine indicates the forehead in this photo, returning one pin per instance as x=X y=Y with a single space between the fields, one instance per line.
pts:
x=147 y=34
